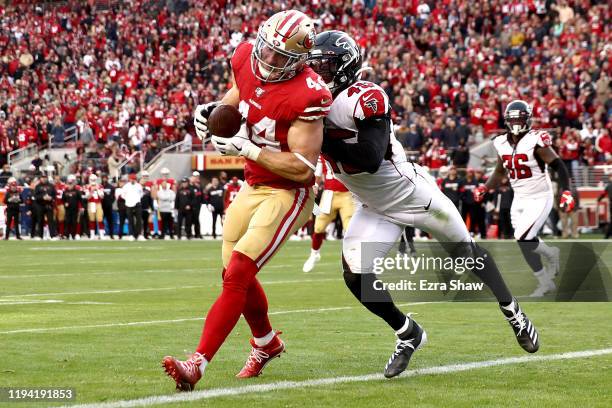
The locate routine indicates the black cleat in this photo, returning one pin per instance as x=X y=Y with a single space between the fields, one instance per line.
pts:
x=404 y=348
x=525 y=331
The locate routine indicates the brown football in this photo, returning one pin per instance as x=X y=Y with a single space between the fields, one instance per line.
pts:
x=224 y=121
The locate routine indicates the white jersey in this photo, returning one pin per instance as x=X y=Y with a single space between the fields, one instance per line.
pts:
x=527 y=174
x=393 y=181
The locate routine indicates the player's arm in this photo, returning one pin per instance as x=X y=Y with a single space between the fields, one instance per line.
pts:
x=232 y=97
x=496 y=177
x=549 y=156
x=304 y=140
x=373 y=138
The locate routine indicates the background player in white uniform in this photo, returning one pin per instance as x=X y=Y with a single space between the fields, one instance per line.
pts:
x=360 y=146
x=523 y=154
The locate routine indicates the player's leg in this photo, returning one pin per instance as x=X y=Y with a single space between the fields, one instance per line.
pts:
x=318 y=235
x=528 y=217
x=281 y=214
x=371 y=236
x=444 y=222
x=100 y=219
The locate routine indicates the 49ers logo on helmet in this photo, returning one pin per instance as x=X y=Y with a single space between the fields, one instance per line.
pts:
x=309 y=39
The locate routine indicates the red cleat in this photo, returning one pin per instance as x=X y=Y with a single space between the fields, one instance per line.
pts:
x=185 y=373
x=261 y=356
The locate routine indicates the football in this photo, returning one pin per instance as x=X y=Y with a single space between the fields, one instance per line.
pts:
x=224 y=121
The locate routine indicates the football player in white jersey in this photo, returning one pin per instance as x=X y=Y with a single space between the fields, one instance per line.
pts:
x=393 y=193
x=523 y=155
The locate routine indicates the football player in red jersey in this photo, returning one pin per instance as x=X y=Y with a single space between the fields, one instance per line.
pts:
x=60 y=213
x=283 y=102
x=231 y=191
x=94 y=193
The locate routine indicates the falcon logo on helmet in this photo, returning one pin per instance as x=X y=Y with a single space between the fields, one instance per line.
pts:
x=517 y=117
x=282 y=46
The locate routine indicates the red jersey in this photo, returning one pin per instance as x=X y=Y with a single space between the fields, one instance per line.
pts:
x=59 y=190
x=271 y=107
x=231 y=190
x=93 y=193
x=330 y=182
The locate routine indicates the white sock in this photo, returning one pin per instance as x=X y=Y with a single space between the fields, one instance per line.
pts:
x=314 y=251
x=543 y=249
x=265 y=340
x=101 y=233
x=92 y=233
x=203 y=365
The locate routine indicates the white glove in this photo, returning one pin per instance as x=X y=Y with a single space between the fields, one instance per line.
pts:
x=210 y=208
x=200 y=120
x=236 y=146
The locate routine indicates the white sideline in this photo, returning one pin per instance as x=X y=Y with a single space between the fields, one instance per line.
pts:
x=187 y=319
x=287 y=385
x=98 y=292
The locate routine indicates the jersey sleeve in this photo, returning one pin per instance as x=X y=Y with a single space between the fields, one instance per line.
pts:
x=371 y=103
x=316 y=100
x=543 y=139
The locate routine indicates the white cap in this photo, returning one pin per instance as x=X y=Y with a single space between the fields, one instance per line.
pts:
x=11 y=180
x=71 y=178
x=165 y=170
x=144 y=173
x=93 y=178
x=196 y=174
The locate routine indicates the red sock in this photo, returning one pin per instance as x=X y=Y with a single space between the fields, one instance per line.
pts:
x=317 y=240
x=225 y=312
x=101 y=226
x=256 y=310
x=60 y=228
x=92 y=225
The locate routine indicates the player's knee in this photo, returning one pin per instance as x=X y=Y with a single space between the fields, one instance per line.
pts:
x=240 y=273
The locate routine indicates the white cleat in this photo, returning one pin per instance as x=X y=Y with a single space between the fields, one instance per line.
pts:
x=544 y=288
x=311 y=261
x=141 y=238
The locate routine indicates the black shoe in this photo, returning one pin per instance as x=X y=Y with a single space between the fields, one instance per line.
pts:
x=525 y=331
x=404 y=348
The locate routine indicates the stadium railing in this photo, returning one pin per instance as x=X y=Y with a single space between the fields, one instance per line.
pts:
x=22 y=153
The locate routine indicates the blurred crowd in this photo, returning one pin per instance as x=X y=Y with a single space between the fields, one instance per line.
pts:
x=127 y=78
x=133 y=208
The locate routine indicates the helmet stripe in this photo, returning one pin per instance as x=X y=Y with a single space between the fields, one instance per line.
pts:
x=297 y=19
x=287 y=18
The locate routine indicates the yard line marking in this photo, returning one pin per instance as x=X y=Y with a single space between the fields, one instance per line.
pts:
x=288 y=385
x=27 y=302
x=136 y=272
x=187 y=319
x=108 y=291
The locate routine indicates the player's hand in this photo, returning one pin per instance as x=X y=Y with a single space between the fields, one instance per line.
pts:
x=200 y=120
x=236 y=146
x=567 y=202
x=479 y=193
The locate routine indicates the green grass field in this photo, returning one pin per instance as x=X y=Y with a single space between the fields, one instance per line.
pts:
x=99 y=316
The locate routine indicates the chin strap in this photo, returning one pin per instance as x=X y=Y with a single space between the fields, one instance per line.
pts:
x=363 y=69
